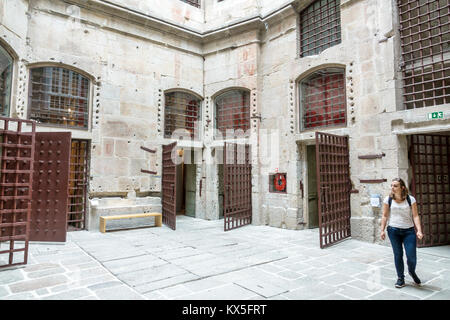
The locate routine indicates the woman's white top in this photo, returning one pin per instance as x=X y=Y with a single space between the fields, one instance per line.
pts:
x=401 y=213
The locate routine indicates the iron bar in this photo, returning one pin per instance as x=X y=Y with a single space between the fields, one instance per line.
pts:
x=148 y=150
x=372 y=156
x=147 y=171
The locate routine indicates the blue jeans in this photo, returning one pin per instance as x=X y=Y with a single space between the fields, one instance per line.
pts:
x=399 y=238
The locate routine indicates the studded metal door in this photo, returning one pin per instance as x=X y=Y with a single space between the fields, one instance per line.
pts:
x=237 y=179
x=430 y=159
x=16 y=176
x=169 y=186
x=333 y=188
x=50 y=187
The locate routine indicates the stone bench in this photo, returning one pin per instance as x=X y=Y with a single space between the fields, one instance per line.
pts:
x=157 y=215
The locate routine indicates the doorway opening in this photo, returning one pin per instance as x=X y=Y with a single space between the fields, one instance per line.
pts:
x=78 y=185
x=186 y=174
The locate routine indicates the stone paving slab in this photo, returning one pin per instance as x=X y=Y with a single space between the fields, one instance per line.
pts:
x=200 y=261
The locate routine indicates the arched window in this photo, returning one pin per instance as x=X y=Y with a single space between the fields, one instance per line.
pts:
x=182 y=111
x=232 y=111
x=59 y=96
x=6 y=65
x=322 y=99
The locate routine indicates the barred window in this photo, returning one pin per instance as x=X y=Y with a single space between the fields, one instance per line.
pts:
x=425 y=42
x=182 y=111
x=6 y=64
x=232 y=111
x=195 y=3
x=60 y=97
x=322 y=99
x=320 y=27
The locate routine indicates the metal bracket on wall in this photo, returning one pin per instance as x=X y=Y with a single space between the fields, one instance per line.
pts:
x=151 y=151
x=372 y=180
x=301 y=187
x=372 y=156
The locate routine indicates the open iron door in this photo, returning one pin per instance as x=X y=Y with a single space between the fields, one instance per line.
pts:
x=169 y=186
x=237 y=196
x=430 y=161
x=49 y=203
x=333 y=188
x=16 y=178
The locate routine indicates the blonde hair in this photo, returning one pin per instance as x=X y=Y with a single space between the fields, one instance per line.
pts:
x=402 y=186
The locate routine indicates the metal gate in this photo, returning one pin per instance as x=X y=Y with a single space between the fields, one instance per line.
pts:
x=333 y=188
x=50 y=187
x=237 y=179
x=16 y=168
x=168 y=186
x=78 y=181
x=430 y=159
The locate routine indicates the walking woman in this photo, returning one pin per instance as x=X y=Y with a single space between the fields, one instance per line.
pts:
x=400 y=209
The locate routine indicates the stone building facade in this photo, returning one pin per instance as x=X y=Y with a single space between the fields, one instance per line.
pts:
x=294 y=67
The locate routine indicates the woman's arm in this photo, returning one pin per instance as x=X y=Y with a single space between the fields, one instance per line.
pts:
x=384 y=220
x=416 y=219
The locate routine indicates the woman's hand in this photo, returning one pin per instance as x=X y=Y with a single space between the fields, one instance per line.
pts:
x=383 y=235
x=419 y=235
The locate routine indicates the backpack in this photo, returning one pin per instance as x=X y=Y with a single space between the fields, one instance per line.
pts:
x=407 y=199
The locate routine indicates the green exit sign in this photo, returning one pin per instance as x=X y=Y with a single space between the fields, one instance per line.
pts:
x=436 y=115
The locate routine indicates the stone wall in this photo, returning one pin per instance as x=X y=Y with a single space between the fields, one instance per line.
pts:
x=134 y=52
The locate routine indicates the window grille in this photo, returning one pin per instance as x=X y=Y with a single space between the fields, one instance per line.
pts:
x=59 y=96
x=320 y=27
x=6 y=63
x=232 y=111
x=195 y=3
x=425 y=42
x=322 y=97
x=182 y=111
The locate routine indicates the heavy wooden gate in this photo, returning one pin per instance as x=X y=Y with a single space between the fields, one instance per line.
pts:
x=169 y=187
x=430 y=159
x=333 y=188
x=16 y=177
x=237 y=179
x=50 y=187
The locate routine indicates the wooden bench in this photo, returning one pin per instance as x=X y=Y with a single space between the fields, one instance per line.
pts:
x=157 y=215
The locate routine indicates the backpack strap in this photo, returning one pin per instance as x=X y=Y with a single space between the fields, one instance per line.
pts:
x=407 y=199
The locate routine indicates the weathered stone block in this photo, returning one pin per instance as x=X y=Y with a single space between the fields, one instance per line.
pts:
x=362 y=228
x=276 y=216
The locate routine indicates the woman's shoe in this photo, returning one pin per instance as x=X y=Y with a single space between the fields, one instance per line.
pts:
x=400 y=283
x=415 y=277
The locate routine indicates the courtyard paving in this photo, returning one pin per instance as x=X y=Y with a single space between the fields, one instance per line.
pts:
x=199 y=261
